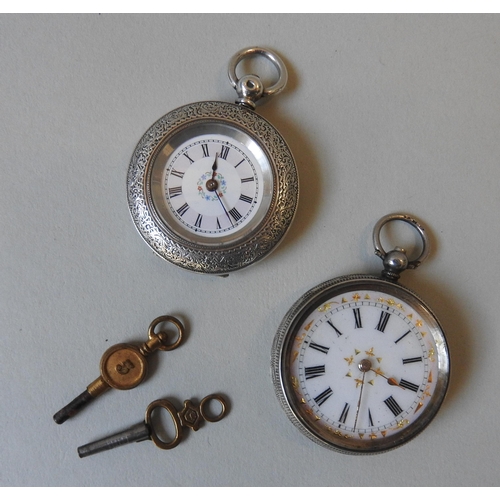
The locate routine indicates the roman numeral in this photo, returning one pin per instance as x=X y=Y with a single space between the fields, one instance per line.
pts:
x=204 y=147
x=218 y=223
x=246 y=198
x=247 y=179
x=412 y=360
x=182 y=210
x=357 y=318
x=177 y=173
x=235 y=214
x=224 y=152
x=320 y=348
x=238 y=164
x=198 y=220
x=321 y=398
x=408 y=385
x=370 y=419
x=382 y=322
x=314 y=371
x=393 y=406
x=402 y=336
x=187 y=156
x=337 y=331
x=175 y=191
x=343 y=415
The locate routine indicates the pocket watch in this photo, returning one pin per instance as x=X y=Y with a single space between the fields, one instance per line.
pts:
x=212 y=186
x=360 y=363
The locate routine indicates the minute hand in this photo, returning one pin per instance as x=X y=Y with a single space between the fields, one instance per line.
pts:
x=224 y=208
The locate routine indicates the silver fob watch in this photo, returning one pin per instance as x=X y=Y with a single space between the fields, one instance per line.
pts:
x=360 y=363
x=212 y=186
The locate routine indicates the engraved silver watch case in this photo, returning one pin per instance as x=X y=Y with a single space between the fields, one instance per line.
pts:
x=212 y=186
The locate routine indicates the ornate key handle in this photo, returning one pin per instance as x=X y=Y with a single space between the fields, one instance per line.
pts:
x=191 y=416
x=396 y=261
x=124 y=366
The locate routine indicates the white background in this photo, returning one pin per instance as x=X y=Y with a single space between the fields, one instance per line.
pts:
x=384 y=113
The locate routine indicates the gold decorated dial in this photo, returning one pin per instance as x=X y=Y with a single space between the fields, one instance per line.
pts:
x=362 y=365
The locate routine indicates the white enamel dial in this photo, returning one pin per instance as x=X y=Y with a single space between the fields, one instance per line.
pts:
x=362 y=365
x=213 y=185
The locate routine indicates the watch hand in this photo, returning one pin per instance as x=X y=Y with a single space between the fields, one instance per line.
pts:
x=214 y=166
x=359 y=400
x=212 y=184
x=222 y=204
x=390 y=380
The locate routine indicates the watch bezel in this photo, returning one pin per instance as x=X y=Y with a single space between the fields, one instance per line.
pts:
x=156 y=191
x=288 y=330
x=214 y=255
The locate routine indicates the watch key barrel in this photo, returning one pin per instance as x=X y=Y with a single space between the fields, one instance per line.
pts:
x=124 y=366
x=71 y=409
x=135 y=434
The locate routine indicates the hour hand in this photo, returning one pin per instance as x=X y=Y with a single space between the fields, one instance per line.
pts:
x=214 y=166
x=212 y=185
x=390 y=380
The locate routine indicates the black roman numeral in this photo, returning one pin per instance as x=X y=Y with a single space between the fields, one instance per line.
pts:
x=239 y=163
x=175 y=191
x=343 y=415
x=235 y=214
x=314 y=371
x=412 y=360
x=182 y=210
x=393 y=406
x=370 y=419
x=402 y=336
x=198 y=220
x=224 y=152
x=246 y=198
x=187 y=156
x=321 y=398
x=320 y=348
x=204 y=147
x=337 y=331
x=177 y=173
x=357 y=318
x=247 y=179
x=382 y=322
x=408 y=385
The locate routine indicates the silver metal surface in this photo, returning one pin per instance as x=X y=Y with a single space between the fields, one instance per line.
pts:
x=392 y=259
x=224 y=255
x=249 y=87
x=358 y=286
x=134 y=434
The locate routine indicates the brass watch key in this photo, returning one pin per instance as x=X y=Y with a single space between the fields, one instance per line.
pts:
x=124 y=366
x=191 y=415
